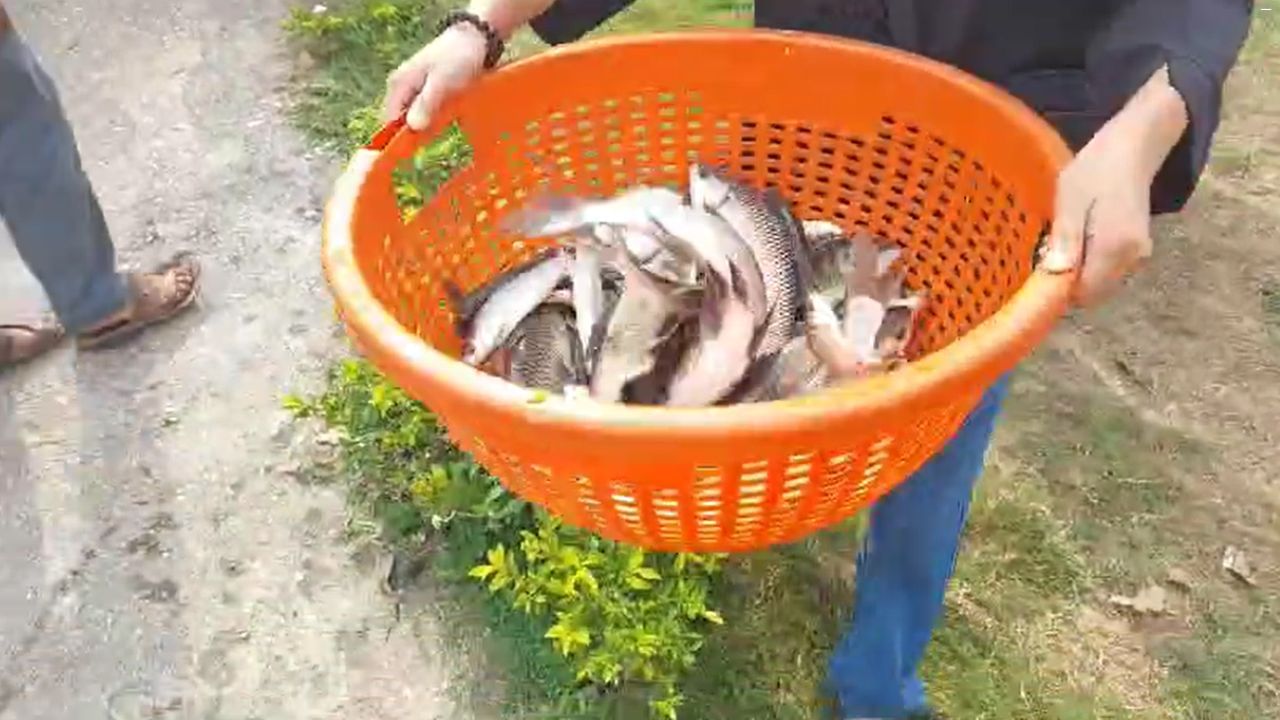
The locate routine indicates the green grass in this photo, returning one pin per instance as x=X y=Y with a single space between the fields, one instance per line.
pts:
x=1222 y=672
x=1264 y=36
x=650 y=15
x=1085 y=501
x=1270 y=297
x=353 y=47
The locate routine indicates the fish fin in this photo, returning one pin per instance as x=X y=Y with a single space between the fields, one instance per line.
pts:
x=457 y=299
x=751 y=386
x=464 y=308
x=612 y=278
x=599 y=333
x=820 y=312
x=560 y=296
x=499 y=363
x=738 y=283
x=806 y=277
x=860 y=274
x=577 y=359
x=886 y=259
x=776 y=202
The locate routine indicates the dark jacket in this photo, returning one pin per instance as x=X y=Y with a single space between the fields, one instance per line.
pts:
x=1074 y=61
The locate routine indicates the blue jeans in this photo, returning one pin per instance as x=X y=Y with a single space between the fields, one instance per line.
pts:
x=46 y=199
x=903 y=570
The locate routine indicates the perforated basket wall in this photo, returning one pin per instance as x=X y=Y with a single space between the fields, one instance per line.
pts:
x=956 y=172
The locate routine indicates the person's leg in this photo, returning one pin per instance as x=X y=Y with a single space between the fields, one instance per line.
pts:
x=51 y=211
x=46 y=199
x=903 y=571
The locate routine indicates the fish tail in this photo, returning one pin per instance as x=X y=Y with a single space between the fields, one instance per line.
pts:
x=577 y=359
x=458 y=303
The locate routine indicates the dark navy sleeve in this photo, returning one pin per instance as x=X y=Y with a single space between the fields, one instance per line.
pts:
x=1200 y=41
x=569 y=20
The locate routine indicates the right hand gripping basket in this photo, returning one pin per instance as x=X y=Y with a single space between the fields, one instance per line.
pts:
x=953 y=169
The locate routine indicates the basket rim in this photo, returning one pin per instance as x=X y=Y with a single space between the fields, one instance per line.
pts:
x=969 y=363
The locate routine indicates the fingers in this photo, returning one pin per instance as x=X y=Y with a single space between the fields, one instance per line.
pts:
x=1115 y=252
x=401 y=89
x=404 y=84
x=1070 y=223
x=434 y=92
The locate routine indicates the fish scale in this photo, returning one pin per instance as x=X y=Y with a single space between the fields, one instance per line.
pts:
x=765 y=223
x=777 y=247
x=794 y=371
x=545 y=351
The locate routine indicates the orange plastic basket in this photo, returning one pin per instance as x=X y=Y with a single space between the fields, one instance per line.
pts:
x=955 y=170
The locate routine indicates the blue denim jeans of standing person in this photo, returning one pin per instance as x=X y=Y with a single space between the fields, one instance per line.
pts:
x=46 y=199
x=903 y=570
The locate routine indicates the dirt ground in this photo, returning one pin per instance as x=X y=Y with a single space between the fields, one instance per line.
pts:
x=153 y=535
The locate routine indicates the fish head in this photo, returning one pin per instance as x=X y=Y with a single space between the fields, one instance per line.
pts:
x=708 y=188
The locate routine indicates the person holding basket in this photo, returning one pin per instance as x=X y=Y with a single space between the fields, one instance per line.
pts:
x=1133 y=86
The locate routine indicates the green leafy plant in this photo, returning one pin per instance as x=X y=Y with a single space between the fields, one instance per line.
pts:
x=616 y=615
x=401 y=465
x=350 y=47
x=620 y=614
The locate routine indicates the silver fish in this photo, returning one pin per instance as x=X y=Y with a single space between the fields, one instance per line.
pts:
x=765 y=222
x=555 y=215
x=614 y=281
x=647 y=313
x=545 y=352
x=830 y=261
x=588 y=290
x=723 y=353
x=819 y=232
x=899 y=327
x=869 y=286
x=487 y=315
x=841 y=357
x=653 y=387
x=863 y=318
x=712 y=244
x=734 y=306
x=867 y=267
x=796 y=370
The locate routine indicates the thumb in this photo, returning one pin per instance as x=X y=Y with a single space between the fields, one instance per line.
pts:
x=1066 y=241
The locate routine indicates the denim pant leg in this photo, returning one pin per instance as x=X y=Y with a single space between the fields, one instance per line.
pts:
x=46 y=199
x=903 y=571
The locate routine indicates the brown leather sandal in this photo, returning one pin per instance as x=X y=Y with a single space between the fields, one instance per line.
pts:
x=154 y=297
x=20 y=343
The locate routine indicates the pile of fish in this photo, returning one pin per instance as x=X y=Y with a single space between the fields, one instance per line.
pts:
x=651 y=297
